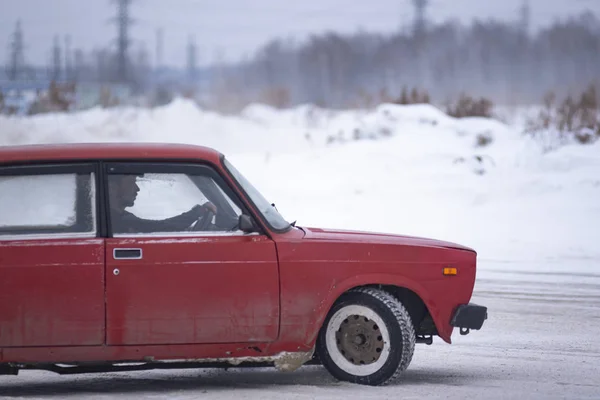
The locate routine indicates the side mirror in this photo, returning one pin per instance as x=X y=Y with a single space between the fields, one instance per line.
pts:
x=246 y=224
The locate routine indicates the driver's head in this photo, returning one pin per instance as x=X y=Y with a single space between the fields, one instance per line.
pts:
x=122 y=190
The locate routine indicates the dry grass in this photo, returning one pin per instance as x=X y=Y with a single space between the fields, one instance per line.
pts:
x=277 y=97
x=414 y=96
x=468 y=106
x=575 y=118
x=58 y=98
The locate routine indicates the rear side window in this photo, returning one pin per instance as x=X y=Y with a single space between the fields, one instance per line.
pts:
x=47 y=204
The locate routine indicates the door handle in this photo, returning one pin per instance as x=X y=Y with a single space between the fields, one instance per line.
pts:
x=127 y=254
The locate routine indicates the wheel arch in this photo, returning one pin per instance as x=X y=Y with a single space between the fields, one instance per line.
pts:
x=414 y=304
x=413 y=296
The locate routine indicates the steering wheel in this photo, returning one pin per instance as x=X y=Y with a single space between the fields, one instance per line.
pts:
x=204 y=221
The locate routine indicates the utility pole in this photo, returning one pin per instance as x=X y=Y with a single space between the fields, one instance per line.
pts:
x=525 y=17
x=192 y=58
x=123 y=22
x=68 y=60
x=419 y=17
x=419 y=42
x=78 y=65
x=16 y=65
x=56 y=60
x=159 y=48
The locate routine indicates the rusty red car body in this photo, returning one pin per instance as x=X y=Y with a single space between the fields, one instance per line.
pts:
x=227 y=299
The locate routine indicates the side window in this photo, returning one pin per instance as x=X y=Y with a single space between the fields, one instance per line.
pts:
x=170 y=203
x=47 y=204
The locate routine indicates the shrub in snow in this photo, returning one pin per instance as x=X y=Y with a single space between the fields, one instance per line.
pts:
x=572 y=120
x=587 y=136
x=478 y=164
x=467 y=106
x=415 y=97
x=385 y=132
x=483 y=139
x=58 y=98
x=277 y=97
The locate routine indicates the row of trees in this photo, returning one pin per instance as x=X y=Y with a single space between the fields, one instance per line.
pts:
x=492 y=60
x=496 y=60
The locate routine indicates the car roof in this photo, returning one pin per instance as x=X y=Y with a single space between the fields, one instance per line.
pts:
x=105 y=151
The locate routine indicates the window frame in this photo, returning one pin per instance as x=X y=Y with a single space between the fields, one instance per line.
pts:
x=78 y=168
x=258 y=212
x=115 y=167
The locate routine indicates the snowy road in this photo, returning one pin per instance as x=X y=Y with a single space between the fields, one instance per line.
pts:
x=539 y=343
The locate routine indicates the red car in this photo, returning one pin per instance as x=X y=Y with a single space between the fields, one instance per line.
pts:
x=136 y=256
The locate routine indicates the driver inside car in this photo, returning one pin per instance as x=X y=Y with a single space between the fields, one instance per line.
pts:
x=122 y=192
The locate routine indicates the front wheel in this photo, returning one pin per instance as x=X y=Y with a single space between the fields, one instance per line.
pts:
x=367 y=338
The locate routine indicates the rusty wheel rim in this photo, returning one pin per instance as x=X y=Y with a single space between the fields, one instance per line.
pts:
x=359 y=340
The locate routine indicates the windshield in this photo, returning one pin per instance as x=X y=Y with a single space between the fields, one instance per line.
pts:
x=266 y=209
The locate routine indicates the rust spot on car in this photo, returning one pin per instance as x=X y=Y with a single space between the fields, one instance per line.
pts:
x=289 y=362
x=284 y=361
x=255 y=348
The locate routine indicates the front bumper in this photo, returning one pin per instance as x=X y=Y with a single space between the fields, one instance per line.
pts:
x=469 y=316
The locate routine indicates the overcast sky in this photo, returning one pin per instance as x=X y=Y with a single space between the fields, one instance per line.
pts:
x=237 y=27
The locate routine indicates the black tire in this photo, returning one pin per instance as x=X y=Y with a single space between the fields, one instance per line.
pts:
x=350 y=352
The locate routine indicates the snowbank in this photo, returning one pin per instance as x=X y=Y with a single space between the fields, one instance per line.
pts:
x=258 y=129
x=400 y=169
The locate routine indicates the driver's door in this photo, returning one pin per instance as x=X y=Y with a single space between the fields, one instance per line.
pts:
x=218 y=285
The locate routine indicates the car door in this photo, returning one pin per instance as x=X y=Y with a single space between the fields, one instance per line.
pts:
x=51 y=260
x=170 y=285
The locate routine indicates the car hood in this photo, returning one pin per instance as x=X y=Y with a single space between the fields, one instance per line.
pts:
x=377 y=238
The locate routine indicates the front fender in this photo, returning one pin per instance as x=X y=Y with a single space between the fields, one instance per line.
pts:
x=336 y=291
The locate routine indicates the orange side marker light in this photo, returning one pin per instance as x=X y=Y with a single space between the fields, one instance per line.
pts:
x=449 y=271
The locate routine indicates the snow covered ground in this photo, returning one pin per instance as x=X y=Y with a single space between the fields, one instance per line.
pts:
x=534 y=219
